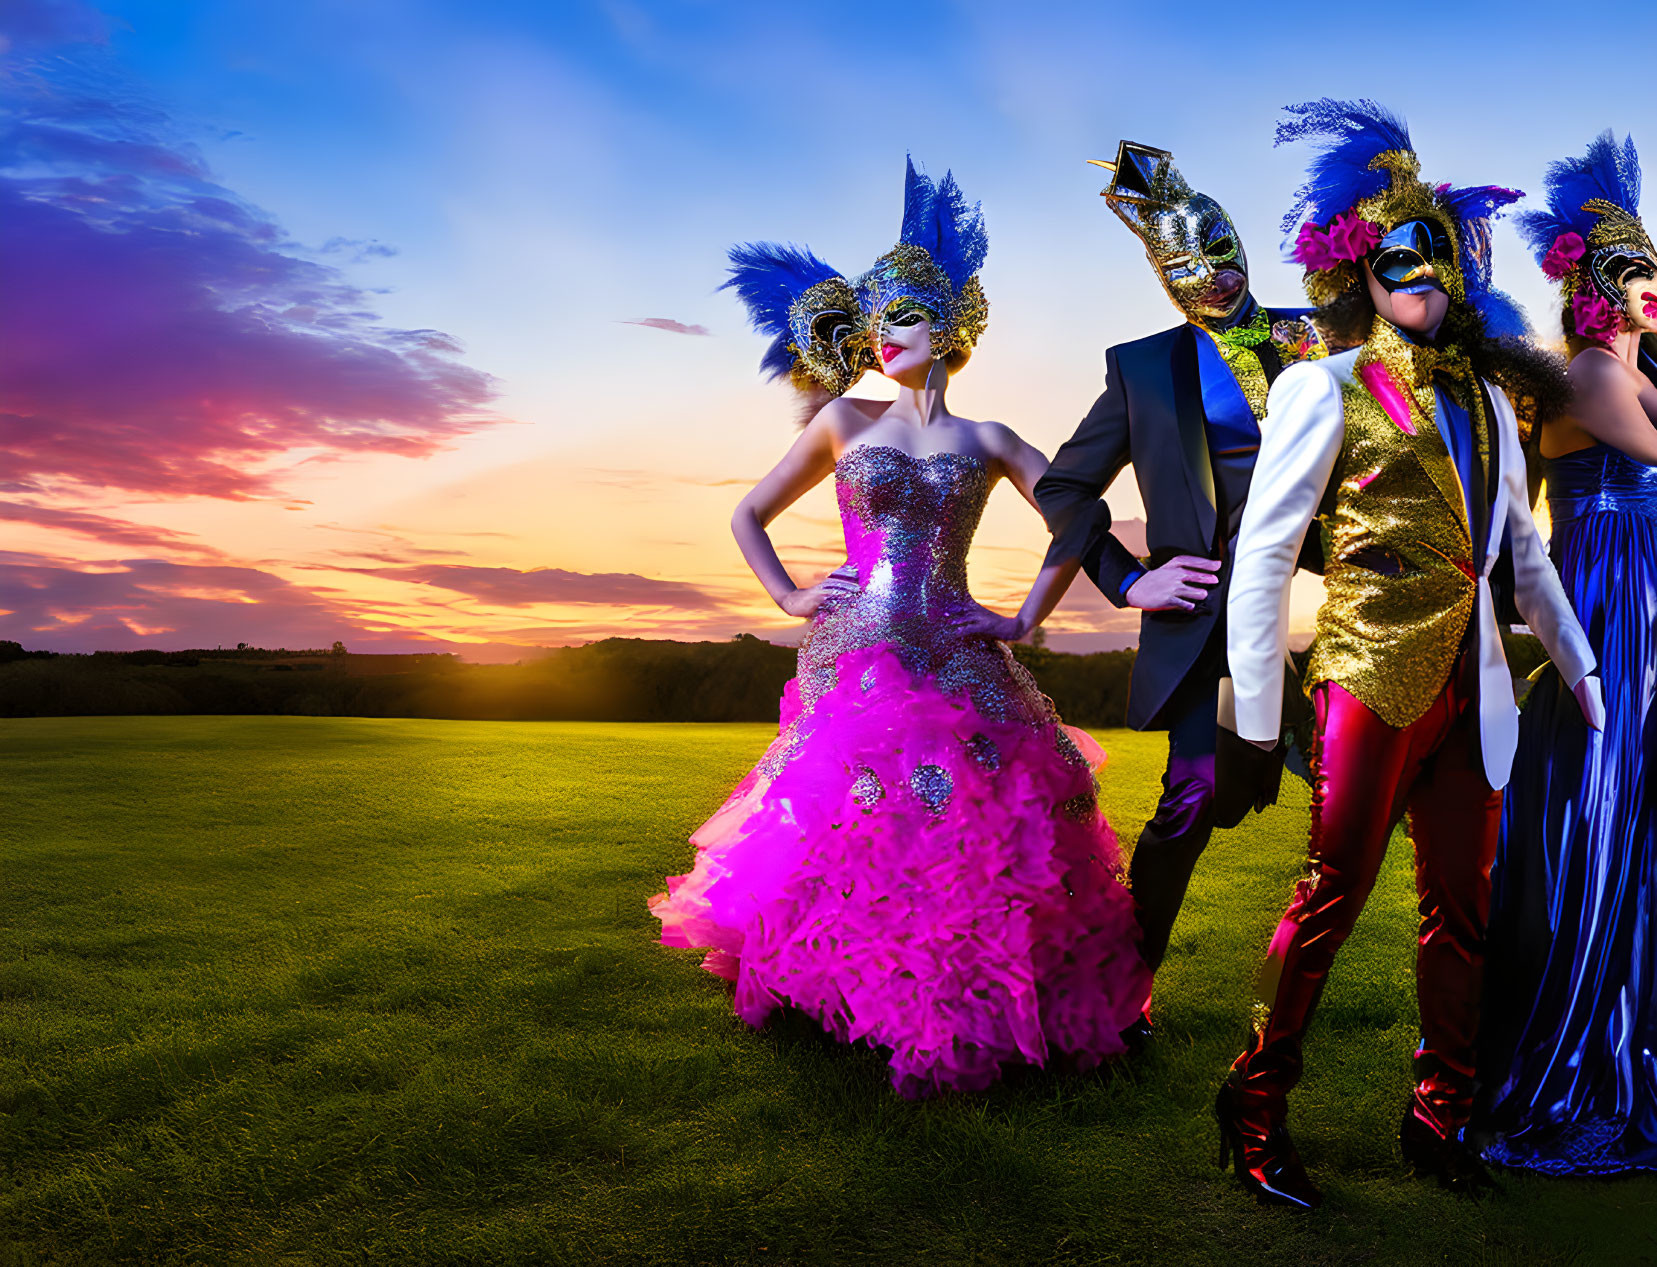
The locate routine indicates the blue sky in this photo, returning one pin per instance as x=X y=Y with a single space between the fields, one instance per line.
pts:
x=538 y=175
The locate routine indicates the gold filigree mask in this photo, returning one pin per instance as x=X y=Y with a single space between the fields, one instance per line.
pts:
x=906 y=282
x=829 y=337
x=1189 y=238
x=1619 y=254
x=1408 y=214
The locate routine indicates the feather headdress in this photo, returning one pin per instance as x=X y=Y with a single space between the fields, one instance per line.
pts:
x=821 y=325
x=941 y=248
x=810 y=311
x=1365 y=181
x=1589 y=236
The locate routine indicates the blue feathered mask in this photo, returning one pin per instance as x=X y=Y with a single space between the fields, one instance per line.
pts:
x=822 y=326
x=1589 y=237
x=1362 y=185
x=933 y=270
x=819 y=335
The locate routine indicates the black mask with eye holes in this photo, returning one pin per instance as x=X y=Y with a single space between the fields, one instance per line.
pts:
x=843 y=333
x=907 y=312
x=1614 y=266
x=1404 y=259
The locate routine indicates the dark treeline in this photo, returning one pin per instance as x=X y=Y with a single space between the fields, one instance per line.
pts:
x=619 y=679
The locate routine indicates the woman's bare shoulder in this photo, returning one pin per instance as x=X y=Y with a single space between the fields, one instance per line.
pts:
x=996 y=437
x=1597 y=369
x=845 y=417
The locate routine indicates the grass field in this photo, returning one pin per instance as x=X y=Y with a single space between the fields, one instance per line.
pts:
x=336 y=990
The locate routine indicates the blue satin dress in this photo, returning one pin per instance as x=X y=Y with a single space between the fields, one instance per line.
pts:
x=1570 y=1017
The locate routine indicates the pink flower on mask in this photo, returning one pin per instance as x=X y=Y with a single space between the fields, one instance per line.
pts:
x=1562 y=256
x=1594 y=318
x=1351 y=237
x=1312 y=249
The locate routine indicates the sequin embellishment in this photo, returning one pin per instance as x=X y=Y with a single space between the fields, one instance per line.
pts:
x=866 y=788
x=909 y=521
x=1079 y=808
x=932 y=784
x=1068 y=749
x=984 y=751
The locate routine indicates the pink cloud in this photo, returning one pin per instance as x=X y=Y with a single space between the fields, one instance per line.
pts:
x=120 y=532
x=160 y=334
x=143 y=603
x=150 y=603
x=666 y=323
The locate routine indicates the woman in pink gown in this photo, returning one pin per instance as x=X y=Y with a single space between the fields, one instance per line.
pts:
x=918 y=861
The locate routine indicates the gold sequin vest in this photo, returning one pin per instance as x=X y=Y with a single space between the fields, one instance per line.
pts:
x=1400 y=583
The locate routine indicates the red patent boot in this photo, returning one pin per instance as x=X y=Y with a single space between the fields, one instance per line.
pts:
x=1270 y=1167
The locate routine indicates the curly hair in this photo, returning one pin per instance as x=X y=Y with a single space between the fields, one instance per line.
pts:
x=1532 y=377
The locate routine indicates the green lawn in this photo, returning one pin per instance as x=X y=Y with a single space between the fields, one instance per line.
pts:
x=321 y=990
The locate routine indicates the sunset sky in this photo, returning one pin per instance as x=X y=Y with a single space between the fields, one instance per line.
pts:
x=397 y=322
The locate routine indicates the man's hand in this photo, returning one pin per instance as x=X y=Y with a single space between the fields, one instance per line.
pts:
x=1587 y=692
x=1178 y=585
x=978 y=619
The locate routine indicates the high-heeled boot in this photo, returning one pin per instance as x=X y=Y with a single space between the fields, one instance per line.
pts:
x=1267 y=1166
x=1455 y=1165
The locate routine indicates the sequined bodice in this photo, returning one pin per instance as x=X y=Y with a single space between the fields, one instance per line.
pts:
x=1599 y=478
x=908 y=523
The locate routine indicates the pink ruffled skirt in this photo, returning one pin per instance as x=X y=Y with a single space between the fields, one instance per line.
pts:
x=920 y=877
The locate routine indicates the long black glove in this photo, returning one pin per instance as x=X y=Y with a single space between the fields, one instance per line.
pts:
x=1246 y=776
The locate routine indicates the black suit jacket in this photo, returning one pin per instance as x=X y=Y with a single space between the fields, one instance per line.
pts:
x=1151 y=415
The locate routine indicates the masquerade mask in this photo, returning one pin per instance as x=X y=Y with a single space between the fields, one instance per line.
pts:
x=903 y=287
x=1188 y=237
x=932 y=273
x=1410 y=257
x=829 y=336
x=819 y=339
x=821 y=326
x=1588 y=237
x=1619 y=252
x=1364 y=200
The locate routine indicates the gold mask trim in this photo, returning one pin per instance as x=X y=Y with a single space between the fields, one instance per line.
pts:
x=1615 y=230
x=908 y=272
x=1406 y=197
x=829 y=337
x=1179 y=228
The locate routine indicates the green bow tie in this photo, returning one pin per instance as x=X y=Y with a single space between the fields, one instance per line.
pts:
x=1250 y=334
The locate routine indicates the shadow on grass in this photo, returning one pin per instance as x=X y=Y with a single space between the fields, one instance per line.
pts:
x=304 y=990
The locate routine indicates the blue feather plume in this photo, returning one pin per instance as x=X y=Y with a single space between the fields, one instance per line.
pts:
x=1607 y=171
x=936 y=216
x=768 y=277
x=1340 y=175
x=1474 y=207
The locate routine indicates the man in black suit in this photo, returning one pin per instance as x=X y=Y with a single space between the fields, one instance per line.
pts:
x=1184 y=407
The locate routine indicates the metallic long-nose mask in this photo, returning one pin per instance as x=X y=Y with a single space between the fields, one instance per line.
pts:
x=1410 y=259
x=1189 y=238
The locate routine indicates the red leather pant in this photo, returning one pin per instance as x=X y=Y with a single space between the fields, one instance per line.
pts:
x=1367 y=775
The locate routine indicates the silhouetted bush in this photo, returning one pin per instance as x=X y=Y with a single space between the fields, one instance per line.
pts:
x=618 y=679
x=10 y=651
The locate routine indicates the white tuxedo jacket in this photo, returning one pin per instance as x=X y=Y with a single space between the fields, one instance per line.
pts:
x=1301 y=439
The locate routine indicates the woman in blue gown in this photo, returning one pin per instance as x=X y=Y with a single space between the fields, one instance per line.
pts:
x=1569 y=1051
